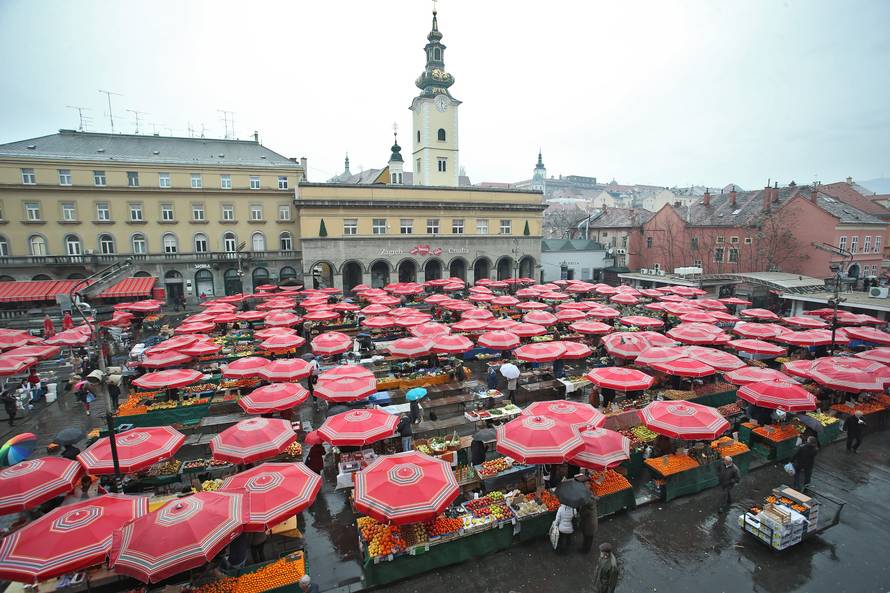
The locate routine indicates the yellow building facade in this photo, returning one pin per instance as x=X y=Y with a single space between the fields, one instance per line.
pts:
x=203 y=216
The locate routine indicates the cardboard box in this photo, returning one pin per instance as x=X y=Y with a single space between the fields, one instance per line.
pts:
x=794 y=495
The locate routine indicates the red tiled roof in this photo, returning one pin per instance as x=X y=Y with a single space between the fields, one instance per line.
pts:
x=847 y=194
x=36 y=290
x=129 y=288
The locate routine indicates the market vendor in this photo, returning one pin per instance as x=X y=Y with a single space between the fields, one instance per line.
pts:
x=663 y=445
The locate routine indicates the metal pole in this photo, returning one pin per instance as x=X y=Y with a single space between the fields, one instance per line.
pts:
x=112 y=439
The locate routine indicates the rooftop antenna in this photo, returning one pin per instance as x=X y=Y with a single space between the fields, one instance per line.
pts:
x=191 y=131
x=202 y=129
x=80 y=110
x=228 y=118
x=136 y=115
x=110 y=112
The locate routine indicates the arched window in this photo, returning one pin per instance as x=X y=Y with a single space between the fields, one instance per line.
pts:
x=72 y=245
x=287 y=273
x=4 y=247
x=37 y=245
x=139 y=244
x=106 y=244
x=201 y=243
x=171 y=245
x=285 y=241
x=40 y=277
x=441 y=134
x=230 y=242
x=258 y=242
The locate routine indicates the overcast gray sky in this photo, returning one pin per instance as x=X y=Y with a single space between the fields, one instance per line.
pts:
x=667 y=92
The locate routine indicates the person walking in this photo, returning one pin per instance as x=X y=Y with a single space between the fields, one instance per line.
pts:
x=406 y=432
x=114 y=391
x=306 y=585
x=605 y=578
x=803 y=461
x=728 y=476
x=854 y=426
x=10 y=404
x=416 y=412
x=565 y=523
x=589 y=524
x=315 y=458
x=511 y=389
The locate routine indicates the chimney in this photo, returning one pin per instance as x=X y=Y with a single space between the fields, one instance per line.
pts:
x=304 y=162
x=732 y=197
x=814 y=195
x=707 y=198
x=256 y=136
x=677 y=204
x=767 y=198
x=849 y=181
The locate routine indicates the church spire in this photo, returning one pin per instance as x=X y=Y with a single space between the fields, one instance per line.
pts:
x=434 y=79
x=346 y=168
x=540 y=164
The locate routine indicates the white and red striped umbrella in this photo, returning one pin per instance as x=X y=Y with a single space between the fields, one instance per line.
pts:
x=698 y=334
x=242 y=368
x=527 y=330
x=282 y=343
x=274 y=492
x=379 y=321
x=804 y=322
x=286 y=370
x=183 y=534
x=602 y=449
x=429 y=330
x=723 y=317
x=630 y=344
x=660 y=354
x=539 y=317
x=572 y=413
x=538 y=439
x=32 y=482
x=698 y=317
x=778 y=395
x=540 y=351
x=164 y=360
x=409 y=347
x=684 y=420
x=251 y=315
x=405 y=488
x=591 y=327
x=641 y=321
x=745 y=375
x=876 y=354
x=70 y=337
x=274 y=331
x=532 y=306
x=812 y=337
x=412 y=320
x=505 y=301
x=620 y=378
x=684 y=367
x=345 y=307
x=757 y=347
x=624 y=299
x=282 y=319
x=850 y=374
x=224 y=318
x=253 y=439
x=575 y=350
x=869 y=334
x=470 y=325
x=346 y=383
x=358 y=428
x=199 y=327
x=759 y=331
x=201 y=348
x=603 y=312
x=382 y=309
x=710 y=304
x=480 y=314
x=38 y=351
x=451 y=344
x=569 y=315
x=330 y=343
x=174 y=343
x=798 y=368
x=503 y=324
x=759 y=314
x=499 y=340
x=13 y=365
x=734 y=301
x=718 y=359
x=168 y=379
x=69 y=538
x=273 y=398
x=481 y=298
x=14 y=339
x=321 y=315
x=137 y=449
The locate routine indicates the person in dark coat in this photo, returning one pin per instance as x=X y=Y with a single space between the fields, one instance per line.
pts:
x=804 y=460
x=10 y=405
x=70 y=452
x=415 y=412
x=728 y=476
x=854 y=426
x=606 y=577
x=315 y=458
x=589 y=524
x=257 y=546
x=406 y=432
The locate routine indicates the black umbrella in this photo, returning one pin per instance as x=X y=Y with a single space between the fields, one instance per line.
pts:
x=810 y=422
x=573 y=493
x=308 y=357
x=69 y=436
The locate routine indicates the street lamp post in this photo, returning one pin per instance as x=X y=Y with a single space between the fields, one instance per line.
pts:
x=834 y=302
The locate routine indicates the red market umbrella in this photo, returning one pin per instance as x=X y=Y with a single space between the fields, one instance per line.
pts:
x=624 y=299
x=499 y=340
x=412 y=320
x=804 y=322
x=575 y=414
x=684 y=420
x=11 y=365
x=538 y=439
x=481 y=298
x=282 y=343
x=604 y=313
x=778 y=395
x=718 y=359
x=723 y=317
x=758 y=331
x=642 y=321
x=591 y=327
x=469 y=325
x=620 y=378
x=274 y=492
x=70 y=337
x=321 y=315
x=429 y=330
x=67 y=539
x=345 y=307
x=505 y=301
x=285 y=370
x=330 y=343
x=602 y=449
x=164 y=360
x=38 y=351
x=273 y=398
x=569 y=315
x=758 y=314
x=876 y=354
x=405 y=488
x=698 y=317
x=539 y=317
x=185 y=533
x=757 y=347
x=379 y=321
x=504 y=323
x=451 y=344
x=540 y=351
x=850 y=374
x=201 y=348
x=575 y=350
x=346 y=383
x=483 y=314
x=710 y=304
x=798 y=368
x=811 y=337
x=253 y=439
x=527 y=330
x=282 y=319
x=243 y=368
x=32 y=482
x=697 y=333
x=194 y=328
x=377 y=309
x=409 y=347
x=532 y=306
x=684 y=367
x=137 y=449
x=746 y=374
x=274 y=331
x=660 y=354
x=869 y=334
x=14 y=339
x=734 y=301
x=224 y=318
x=169 y=379
x=174 y=343
x=251 y=315
x=631 y=344
x=358 y=428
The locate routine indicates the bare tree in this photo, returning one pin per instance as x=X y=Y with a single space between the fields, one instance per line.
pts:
x=561 y=220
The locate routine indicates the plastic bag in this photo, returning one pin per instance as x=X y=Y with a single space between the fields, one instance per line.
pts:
x=789 y=468
x=554 y=535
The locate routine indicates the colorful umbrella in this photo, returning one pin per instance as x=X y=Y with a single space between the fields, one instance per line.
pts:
x=169 y=379
x=416 y=393
x=684 y=420
x=575 y=414
x=137 y=449
x=274 y=491
x=253 y=439
x=602 y=449
x=249 y=366
x=405 y=488
x=286 y=369
x=620 y=378
x=778 y=395
x=185 y=533
x=346 y=383
x=32 y=482
x=540 y=351
x=538 y=439
x=330 y=343
x=358 y=428
x=18 y=448
x=273 y=398
x=746 y=374
x=68 y=538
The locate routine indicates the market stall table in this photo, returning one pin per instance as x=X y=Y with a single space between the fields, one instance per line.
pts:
x=770 y=442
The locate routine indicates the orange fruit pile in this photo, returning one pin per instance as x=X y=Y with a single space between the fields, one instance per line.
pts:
x=668 y=465
x=550 y=500
x=607 y=482
x=726 y=446
x=382 y=539
x=131 y=406
x=778 y=433
x=443 y=525
x=272 y=576
x=226 y=585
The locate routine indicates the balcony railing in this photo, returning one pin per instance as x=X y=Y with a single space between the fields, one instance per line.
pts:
x=107 y=259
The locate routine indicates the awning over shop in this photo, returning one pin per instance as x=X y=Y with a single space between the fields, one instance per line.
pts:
x=129 y=288
x=36 y=290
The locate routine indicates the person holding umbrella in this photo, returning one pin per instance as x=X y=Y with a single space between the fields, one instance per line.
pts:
x=511 y=374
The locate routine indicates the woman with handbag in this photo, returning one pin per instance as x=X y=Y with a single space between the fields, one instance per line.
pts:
x=565 y=524
x=83 y=394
